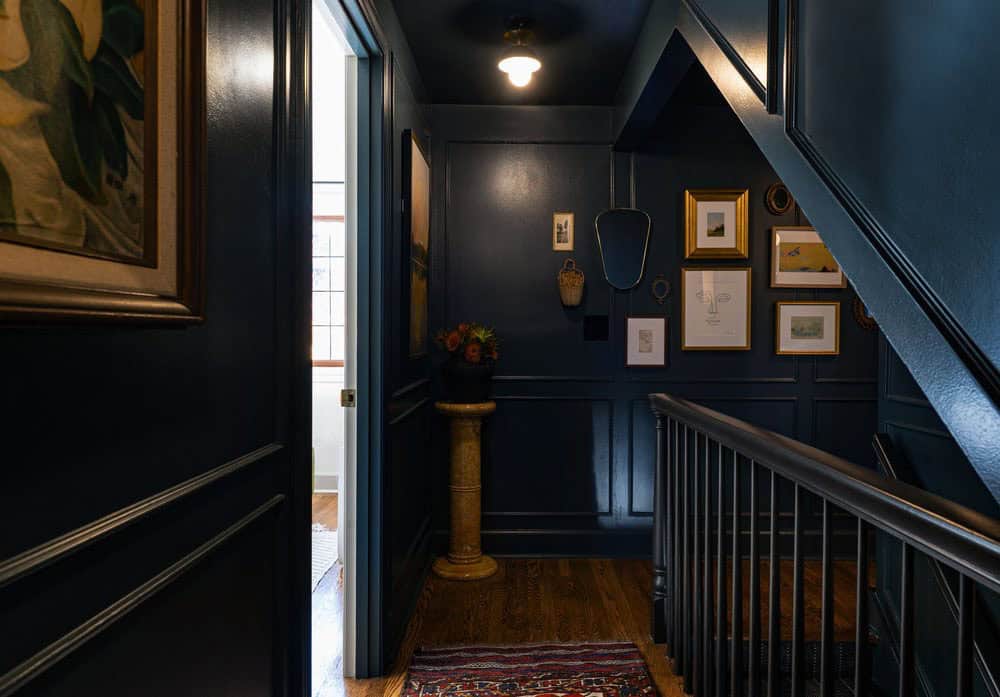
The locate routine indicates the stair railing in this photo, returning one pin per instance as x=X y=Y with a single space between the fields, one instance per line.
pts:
x=894 y=467
x=702 y=460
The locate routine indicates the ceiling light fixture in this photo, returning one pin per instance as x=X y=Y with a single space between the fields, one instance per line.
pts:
x=519 y=61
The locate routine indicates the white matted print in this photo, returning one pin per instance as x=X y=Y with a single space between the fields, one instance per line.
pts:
x=562 y=232
x=716 y=309
x=716 y=224
x=799 y=259
x=646 y=342
x=808 y=328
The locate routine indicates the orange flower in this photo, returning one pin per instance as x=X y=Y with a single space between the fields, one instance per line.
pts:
x=453 y=341
x=493 y=355
x=474 y=352
x=463 y=328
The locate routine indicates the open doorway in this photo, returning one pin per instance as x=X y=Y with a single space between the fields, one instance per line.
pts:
x=334 y=234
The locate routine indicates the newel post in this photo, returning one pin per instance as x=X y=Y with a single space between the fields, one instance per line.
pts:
x=658 y=626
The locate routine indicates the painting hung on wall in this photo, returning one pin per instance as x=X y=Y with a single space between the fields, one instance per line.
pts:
x=807 y=328
x=562 y=232
x=799 y=259
x=101 y=159
x=417 y=198
x=715 y=309
x=716 y=224
x=646 y=342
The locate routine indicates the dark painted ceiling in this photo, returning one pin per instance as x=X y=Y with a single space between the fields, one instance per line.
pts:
x=584 y=46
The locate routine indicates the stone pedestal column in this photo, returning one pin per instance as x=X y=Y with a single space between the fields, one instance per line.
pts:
x=465 y=560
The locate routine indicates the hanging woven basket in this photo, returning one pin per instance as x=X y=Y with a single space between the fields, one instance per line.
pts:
x=571 y=281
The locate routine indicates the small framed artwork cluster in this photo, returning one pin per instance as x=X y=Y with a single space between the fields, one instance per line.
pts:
x=716 y=301
x=799 y=259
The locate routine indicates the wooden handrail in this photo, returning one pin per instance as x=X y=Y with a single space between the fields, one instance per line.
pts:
x=958 y=536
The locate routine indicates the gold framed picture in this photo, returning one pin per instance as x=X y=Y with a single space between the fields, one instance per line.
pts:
x=562 y=232
x=799 y=259
x=715 y=309
x=102 y=161
x=716 y=224
x=417 y=197
x=807 y=328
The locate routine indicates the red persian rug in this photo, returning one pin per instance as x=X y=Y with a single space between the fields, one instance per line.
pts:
x=532 y=670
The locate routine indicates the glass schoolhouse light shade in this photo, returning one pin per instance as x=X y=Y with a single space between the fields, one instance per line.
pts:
x=519 y=62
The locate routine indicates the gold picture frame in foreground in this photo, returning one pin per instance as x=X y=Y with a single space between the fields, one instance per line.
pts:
x=809 y=338
x=715 y=306
x=716 y=224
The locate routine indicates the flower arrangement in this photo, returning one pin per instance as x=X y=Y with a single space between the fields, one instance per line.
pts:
x=470 y=342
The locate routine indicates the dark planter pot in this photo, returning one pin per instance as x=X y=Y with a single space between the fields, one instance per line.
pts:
x=467 y=383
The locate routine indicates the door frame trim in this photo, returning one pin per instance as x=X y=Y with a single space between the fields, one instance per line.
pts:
x=293 y=212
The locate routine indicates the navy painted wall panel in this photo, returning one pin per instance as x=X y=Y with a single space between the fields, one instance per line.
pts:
x=924 y=444
x=897 y=97
x=550 y=484
x=100 y=417
x=406 y=500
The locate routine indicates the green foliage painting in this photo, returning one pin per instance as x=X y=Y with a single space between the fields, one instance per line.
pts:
x=72 y=127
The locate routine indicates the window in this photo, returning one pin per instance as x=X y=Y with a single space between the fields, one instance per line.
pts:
x=328 y=274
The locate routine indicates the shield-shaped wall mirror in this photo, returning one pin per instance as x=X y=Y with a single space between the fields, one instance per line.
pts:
x=623 y=240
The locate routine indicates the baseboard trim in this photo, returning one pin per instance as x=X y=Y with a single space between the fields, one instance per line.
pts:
x=325 y=484
x=560 y=543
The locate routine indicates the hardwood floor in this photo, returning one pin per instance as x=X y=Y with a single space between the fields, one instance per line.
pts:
x=532 y=600
x=328 y=612
x=324 y=510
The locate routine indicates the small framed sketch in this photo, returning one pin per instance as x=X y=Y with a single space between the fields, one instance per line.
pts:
x=715 y=309
x=799 y=259
x=646 y=338
x=716 y=224
x=807 y=328
x=562 y=232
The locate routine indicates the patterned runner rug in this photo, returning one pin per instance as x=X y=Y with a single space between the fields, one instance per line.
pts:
x=607 y=669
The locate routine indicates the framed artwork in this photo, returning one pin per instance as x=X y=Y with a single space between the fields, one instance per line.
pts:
x=807 y=328
x=716 y=224
x=102 y=160
x=646 y=342
x=799 y=259
x=417 y=204
x=562 y=232
x=715 y=309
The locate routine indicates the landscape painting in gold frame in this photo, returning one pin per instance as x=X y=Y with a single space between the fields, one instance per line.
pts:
x=417 y=229
x=799 y=259
x=716 y=224
x=102 y=160
x=807 y=328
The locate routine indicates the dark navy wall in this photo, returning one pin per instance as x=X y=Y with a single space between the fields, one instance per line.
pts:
x=176 y=442
x=405 y=518
x=568 y=457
